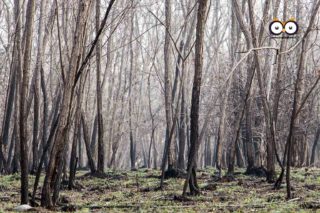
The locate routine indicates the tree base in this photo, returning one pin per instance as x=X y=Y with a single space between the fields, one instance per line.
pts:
x=270 y=176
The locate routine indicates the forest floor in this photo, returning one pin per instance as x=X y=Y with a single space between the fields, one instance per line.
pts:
x=137 y=191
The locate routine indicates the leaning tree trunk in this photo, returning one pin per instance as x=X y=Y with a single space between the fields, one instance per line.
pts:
x=195 y=102
x=76 y=139
x=53 y=174
x=75 y=69
x=87 y=144
x=77 y=131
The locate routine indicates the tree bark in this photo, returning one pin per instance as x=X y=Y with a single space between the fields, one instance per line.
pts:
x=12 y=93
x=314 y=146
x=86 y=141
x=266 y=109
x=53 y=174
x=23 y=93
x=101 y=148
x=182 y=132
x=36 y=89
x=183 y=105
x=46 y=147
x=195 y=102
x=297 y=103
x=132 y=67
x=168 y=87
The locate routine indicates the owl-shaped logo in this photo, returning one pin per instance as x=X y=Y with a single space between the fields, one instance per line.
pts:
x=289 y=27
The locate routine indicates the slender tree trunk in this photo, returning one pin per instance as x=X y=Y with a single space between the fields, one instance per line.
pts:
x=248 y=135
x=113 y=137
x=12 y=93
x=86 y=141
x=297 y=98
x=182 y=132
x=48 y=28
x=195 y=102
x=183 y=105
x=24 y=88
x=297 y=103
x=76 y=139
x=152 y=123
x=16 y=134
x=155 y=154
x=46 y=147
x=232 y=150
x=94 y=136
x=247 y=90
x=168 y=88
x=314 y=146
x=132 y=142
x=278 y=80
x=36 y=88
x=101 y=148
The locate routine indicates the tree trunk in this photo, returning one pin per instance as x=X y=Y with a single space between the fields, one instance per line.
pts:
x=101 y=148
x=53 y=173
x=266 y=109
x=12 y=93
x=248 y=135
x=168 y=88
x=195 y=102
x=23 y=94
x=94 y=136
x=152 y=123
x=76 y=139
x=86 y=141
x=46 y=147
x=314 y=146
x=132 y=142
x=36 y=89
x=182 y=132
x=183 y=105
x=297 y=103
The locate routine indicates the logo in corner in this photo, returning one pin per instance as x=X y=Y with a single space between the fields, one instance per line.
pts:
x=278 y=27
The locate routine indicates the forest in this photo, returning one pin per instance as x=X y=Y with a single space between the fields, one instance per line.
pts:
x=160 y=105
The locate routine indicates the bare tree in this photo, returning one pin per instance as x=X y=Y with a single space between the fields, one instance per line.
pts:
x=23 y=111
x=101 y=148
x=298 y=102
x=168 y=154
x=195 y=103
x=53 y=175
